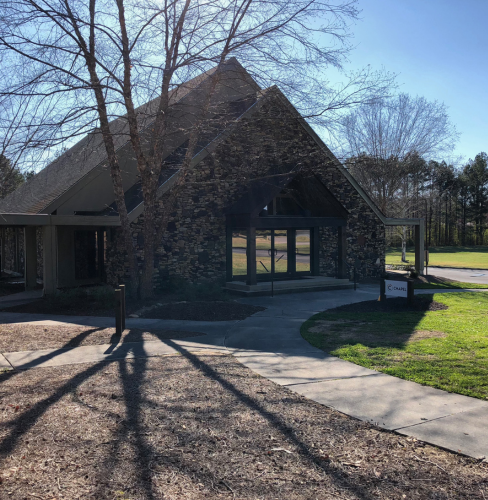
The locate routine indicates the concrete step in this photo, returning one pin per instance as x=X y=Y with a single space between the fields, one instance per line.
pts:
x=312 y=283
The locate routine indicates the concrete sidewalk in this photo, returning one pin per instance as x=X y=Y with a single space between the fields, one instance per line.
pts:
x=270 y=344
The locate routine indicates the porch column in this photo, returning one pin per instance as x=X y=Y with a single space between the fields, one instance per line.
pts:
x=251 y=256
x=101 y=254
x=419 y=237
x=341 y=252
x=291 y=254
x=228 y=254
x=3 y=251
x=314 y=251
x=50 y=260
x=30 y=257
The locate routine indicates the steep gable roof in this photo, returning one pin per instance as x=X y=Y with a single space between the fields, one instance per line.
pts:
x=39 y=193
x=270 y=92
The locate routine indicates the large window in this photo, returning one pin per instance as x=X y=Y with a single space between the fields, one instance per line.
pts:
x=302 y=249
x=265 y=251
x=86 y=255
x=239 y=258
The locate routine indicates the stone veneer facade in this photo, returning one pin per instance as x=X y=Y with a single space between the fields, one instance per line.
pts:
x=194 y=245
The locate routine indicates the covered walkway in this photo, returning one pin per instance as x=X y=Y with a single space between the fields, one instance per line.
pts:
x=72 y=248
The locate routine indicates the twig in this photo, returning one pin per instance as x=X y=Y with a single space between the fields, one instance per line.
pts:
x=433 y=463
x=228 y=487
x=259 y=475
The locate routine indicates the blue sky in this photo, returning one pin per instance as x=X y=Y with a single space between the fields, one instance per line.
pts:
x=439 y=50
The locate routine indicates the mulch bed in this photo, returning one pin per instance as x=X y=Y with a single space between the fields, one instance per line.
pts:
x=24 y=337
x=397 y=304
x=203 y=427
x=204 y=311
x=193 y=311
x=7 y=288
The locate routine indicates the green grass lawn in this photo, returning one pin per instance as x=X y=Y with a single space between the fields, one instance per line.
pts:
x=475 y=257
x=446 y=349
x=239 y=265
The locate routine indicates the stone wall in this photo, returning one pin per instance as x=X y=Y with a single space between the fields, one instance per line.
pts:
x=268 y=142
x=14 y=249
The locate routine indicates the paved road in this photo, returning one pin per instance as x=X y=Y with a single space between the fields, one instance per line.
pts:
x=270 y=343
x=466 y=275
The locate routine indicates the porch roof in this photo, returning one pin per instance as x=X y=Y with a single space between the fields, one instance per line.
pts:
x=57 y=220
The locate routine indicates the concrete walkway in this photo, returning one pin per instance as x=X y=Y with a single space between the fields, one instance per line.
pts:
x=20 y=298
x=270 y=344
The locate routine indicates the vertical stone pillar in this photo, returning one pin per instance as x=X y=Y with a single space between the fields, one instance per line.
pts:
x=419 y=238
x=30 y=257
x=341 y=252
x=251 y=256
x=50 y=260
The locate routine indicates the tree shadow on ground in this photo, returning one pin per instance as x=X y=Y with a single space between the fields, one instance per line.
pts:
x=133 y=374
x=391 y=324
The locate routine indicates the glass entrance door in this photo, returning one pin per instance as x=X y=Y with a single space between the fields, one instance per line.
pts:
x=302 y=246
x=271 y=253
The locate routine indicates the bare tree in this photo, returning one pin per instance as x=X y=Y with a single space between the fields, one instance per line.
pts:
x=83 y=63
x=387 y=143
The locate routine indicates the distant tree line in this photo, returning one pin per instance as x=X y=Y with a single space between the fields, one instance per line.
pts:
x=453 y=201
x=391 y=145
x=10 y=176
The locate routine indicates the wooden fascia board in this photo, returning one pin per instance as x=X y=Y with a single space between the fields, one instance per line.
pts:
x=271 y=222
x=58 y=220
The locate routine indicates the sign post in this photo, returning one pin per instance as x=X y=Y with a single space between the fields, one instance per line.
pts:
x=118 y=312
x=382 y=291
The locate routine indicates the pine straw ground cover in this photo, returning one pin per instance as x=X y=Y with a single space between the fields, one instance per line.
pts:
x=25 y=337
x=194 y=427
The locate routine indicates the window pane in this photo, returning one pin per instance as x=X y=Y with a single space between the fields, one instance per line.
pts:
x=263 y=251
x=303 y=250
x=281 y=246
x=239 y=260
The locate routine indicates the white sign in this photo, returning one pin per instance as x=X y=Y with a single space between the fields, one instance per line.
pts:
x=397 y=288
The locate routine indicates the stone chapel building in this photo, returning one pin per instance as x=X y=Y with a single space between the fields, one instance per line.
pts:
x=265 y=200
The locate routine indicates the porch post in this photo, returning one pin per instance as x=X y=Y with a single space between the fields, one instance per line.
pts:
x=251 y=256
x=341 y=252
x=3 y=251
x=314 y=251
x=101 y=254
x=228 y=254
x=419 y=237
x=50 y=260
x=30 y=257
x=291 y=255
